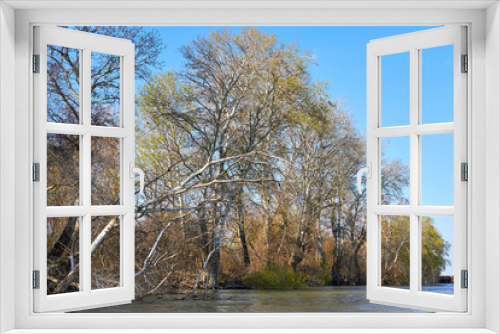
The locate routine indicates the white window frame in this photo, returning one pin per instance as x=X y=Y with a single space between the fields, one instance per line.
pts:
x=86 y=43
x=414 y=43
x=483 y=125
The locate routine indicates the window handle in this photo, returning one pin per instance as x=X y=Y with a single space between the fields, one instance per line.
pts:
x=368 y=171
x=134 y=170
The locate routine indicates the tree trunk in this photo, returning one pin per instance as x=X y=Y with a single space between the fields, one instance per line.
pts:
x=241 y=226
x=319 y=238
x=321 y=251
x=337 y=278
x=63 y=243
x=213 y=281
x=298 y=252
x=265 y=206
x=358 y=277
x=203 y=226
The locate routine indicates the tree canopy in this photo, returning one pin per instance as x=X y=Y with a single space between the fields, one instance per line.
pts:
x=250 y=169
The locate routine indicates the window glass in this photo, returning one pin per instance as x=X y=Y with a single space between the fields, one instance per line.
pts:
x=63 y=85
x=437 y=254
x=395 y=171
x=63 y=255
x=105 y=89
x=395 y=251
x=63 y=170
x=105 y=252
x=437 y=169
x=105 y=171
x=395 y=89
x=437 y=84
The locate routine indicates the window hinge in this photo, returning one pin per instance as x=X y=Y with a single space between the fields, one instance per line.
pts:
x=464 y=172
x=465 y=64
x=465 y=279
x=36 y=63
x=36 y=172
x=36 y=279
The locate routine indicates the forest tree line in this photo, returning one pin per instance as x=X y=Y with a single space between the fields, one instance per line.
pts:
x=250 y=172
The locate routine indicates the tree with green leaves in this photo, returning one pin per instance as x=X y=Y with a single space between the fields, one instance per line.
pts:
x=396 y=251
x=236 y=96
x=435 y=252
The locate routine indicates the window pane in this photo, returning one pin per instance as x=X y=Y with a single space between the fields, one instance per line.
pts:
x=105 y=171
x=105 y=89
x=63 y=170
x=395 y=244
x=395 y=178
x=63 y=85
x=437 y=254
x=395 y=89
x=437 y=169
x=105 y=250
x=437 y=84
x=63 y=255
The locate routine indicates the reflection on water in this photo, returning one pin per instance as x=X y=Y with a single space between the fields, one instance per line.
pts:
x=324 y=299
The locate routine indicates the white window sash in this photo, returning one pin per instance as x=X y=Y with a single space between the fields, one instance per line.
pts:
x=414 y=297
x=86 y=43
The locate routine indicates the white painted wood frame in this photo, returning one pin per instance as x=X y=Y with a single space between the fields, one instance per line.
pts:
x=483 y=20
x=86 y=43
x=414 y=43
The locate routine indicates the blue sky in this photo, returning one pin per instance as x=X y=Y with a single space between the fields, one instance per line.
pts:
x=340 y=53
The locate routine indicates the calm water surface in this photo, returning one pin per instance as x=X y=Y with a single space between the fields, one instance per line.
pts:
x=323 y=299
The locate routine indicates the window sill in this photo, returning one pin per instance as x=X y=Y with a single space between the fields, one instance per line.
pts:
x=254 y=331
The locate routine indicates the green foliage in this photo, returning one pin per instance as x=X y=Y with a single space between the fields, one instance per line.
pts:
x=396 y=251
x=274 y=277
x=325 y=275
x=434 y=252
x=316 y=275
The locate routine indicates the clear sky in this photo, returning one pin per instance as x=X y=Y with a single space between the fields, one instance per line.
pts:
x=340 y=53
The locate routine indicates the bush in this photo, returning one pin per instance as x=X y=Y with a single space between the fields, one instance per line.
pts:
x=325 y=275
x=274 y=277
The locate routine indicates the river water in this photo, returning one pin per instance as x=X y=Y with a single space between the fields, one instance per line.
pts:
x=321 y=299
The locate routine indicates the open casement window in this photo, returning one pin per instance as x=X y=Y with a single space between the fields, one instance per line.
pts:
x=83 y=165
x=399 y=224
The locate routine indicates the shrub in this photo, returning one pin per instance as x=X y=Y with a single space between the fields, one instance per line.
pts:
x=274 y=277
x=325 y=275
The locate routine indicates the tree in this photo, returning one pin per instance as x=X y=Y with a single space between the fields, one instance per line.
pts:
x=395 y=254
x=434 y=252
x=239 y=93
x=396 y=251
